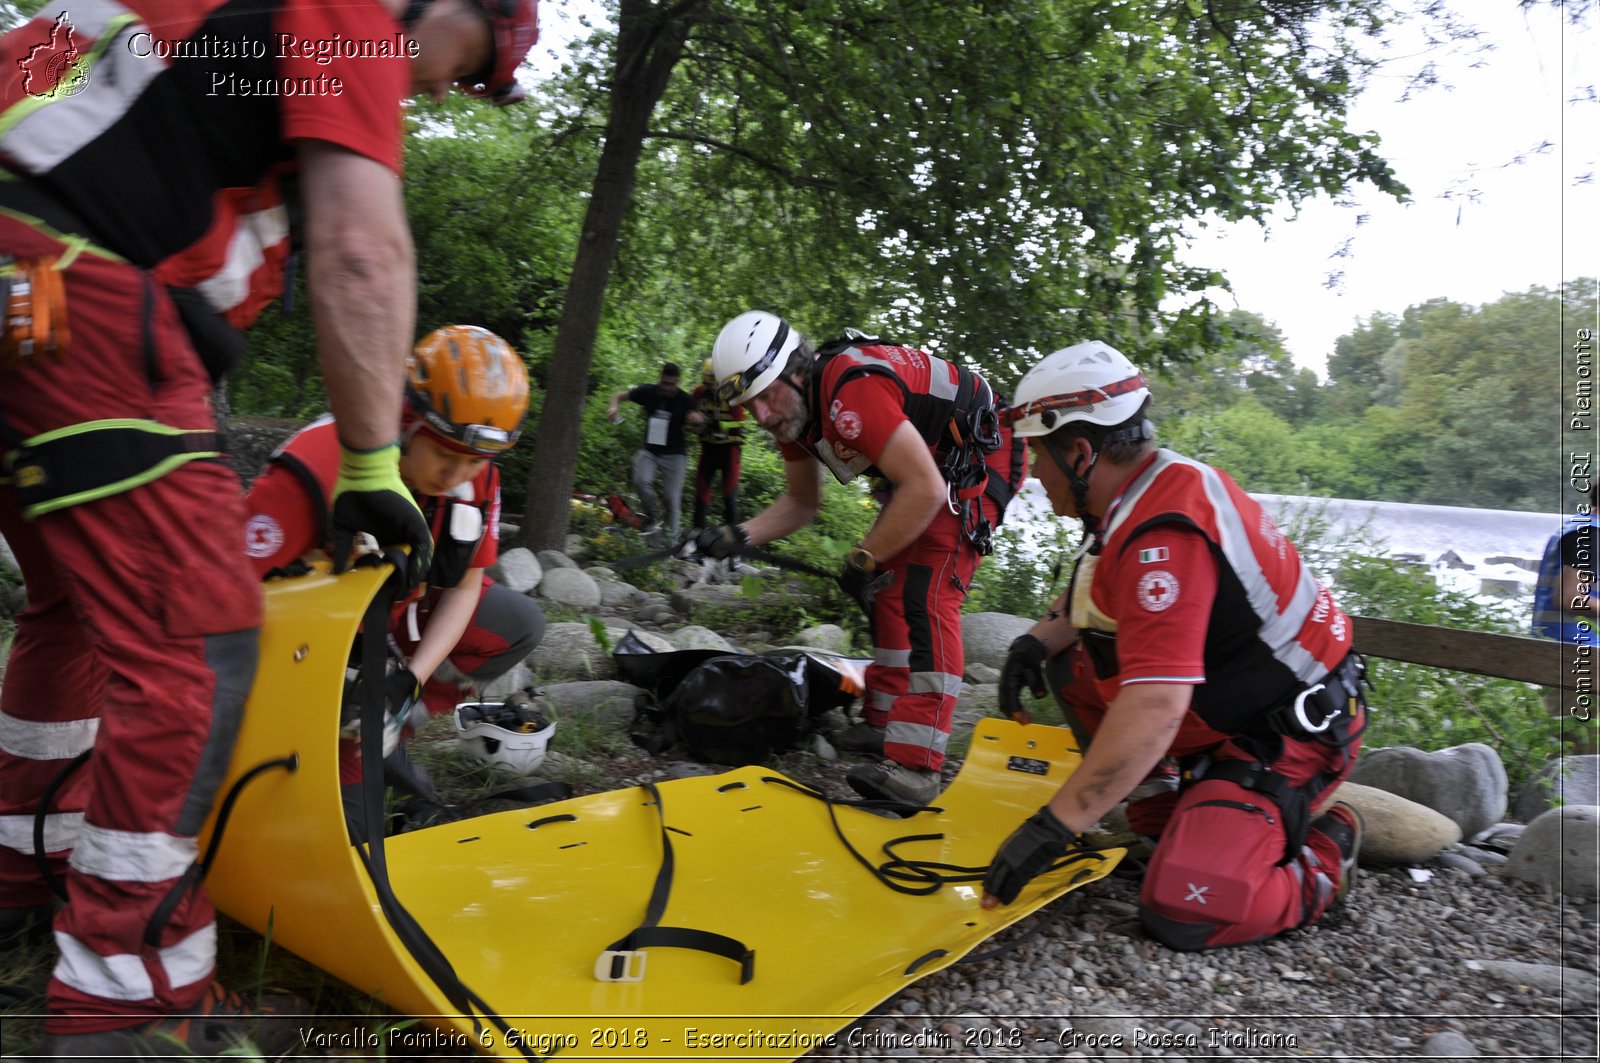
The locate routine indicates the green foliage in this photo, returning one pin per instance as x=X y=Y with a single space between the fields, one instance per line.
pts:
x=1402 y=415
x=1026 y=572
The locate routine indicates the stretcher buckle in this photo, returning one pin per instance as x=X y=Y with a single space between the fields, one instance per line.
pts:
x=620 y=965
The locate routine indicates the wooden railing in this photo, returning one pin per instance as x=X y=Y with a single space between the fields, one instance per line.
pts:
x=1544 y=662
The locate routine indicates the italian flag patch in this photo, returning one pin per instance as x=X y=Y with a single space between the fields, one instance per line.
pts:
x=1154 y=554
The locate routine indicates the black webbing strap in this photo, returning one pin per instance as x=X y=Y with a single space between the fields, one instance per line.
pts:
x=1294 y=802
x=416 y=940
x=98 y=459
x=621 y=961
x=1004 y=488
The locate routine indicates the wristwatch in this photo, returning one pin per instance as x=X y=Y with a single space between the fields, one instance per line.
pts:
x=861 y=558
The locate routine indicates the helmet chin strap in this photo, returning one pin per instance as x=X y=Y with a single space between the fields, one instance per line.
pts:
x=1077 y=483
x=813 y=383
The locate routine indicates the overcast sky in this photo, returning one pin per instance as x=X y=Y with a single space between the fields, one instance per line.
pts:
x=1507 y=237
x=1500 y=230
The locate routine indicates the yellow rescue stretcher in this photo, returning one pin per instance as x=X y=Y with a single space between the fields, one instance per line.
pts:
x=527 y=906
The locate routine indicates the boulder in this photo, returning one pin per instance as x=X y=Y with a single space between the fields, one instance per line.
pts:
x=982 y=673
x=517 y=569
x=555 y=559
x=569 y=586
x=700 y=596
x=1502 y=837
x=520 y=677
x=570 y=650
x=1466 y=783
x=1560 y=851
x=617 y=595
x=695 y=637
x=600 y=572
x=606 y=701
x=830 y=637
x=977 y=700
x=658 y=643
x=1398 y=831
x=1563 y=781
x=986 y=636
x=1575 y=986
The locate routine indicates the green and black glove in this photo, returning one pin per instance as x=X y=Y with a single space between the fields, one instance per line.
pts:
x=370 y=497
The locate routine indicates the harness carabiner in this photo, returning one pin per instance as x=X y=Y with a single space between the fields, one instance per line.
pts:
x=1300 y=711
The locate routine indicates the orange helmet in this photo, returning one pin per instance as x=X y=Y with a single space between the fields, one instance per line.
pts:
x=468 y=386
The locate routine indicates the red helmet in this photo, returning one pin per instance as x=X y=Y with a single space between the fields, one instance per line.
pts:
x=515 y=27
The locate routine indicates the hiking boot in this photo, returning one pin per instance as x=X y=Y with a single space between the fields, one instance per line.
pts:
x=889 y=781
x=1343 y=824
x=861 y=737
x=220 y=1024
x=25 y=926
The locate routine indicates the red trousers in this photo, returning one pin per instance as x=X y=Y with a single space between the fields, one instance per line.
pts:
x=1217 y=876
x=138 y=641
x=717 y=459
x=917 y=658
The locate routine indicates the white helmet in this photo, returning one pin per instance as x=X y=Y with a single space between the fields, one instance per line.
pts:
x=1090 y=381
x=751 y=352
x=512 y=733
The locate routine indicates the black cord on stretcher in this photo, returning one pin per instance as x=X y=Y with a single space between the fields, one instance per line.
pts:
x=929 y=876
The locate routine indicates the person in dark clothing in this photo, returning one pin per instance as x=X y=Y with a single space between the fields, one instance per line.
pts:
x=664 y=452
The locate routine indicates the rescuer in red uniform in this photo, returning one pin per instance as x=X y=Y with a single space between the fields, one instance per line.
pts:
x=930 y=430
x=1191 y=630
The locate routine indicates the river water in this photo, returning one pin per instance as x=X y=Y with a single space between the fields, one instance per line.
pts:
x=1475 y=551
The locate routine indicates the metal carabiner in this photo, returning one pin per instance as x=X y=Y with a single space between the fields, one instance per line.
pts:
x=1300 y=711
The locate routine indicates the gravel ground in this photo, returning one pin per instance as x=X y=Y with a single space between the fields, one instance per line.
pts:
x=1457 y=965
x=1402 y=969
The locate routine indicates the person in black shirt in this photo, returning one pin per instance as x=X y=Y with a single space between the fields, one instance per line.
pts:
x=664 y=453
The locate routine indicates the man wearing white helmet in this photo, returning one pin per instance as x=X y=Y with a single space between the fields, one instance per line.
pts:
x=928 y=428
x=1191 y=630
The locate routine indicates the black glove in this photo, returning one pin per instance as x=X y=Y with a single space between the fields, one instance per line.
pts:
x=862 y=584
x=722 y=542
x=1024 y=665
x=1032 y=848
x=370 y=497
x=400 y=691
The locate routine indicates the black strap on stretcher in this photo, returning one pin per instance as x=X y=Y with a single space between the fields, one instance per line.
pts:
x=422 y=948
x=622 y=960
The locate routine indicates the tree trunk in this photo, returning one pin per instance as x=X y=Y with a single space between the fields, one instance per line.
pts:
x=649 y=44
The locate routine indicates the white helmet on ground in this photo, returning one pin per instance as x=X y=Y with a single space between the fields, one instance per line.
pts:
x=750 y=353
x=512 y=733
x=1090 y=382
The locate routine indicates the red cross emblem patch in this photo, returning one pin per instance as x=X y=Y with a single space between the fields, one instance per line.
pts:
x=1158 y=590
